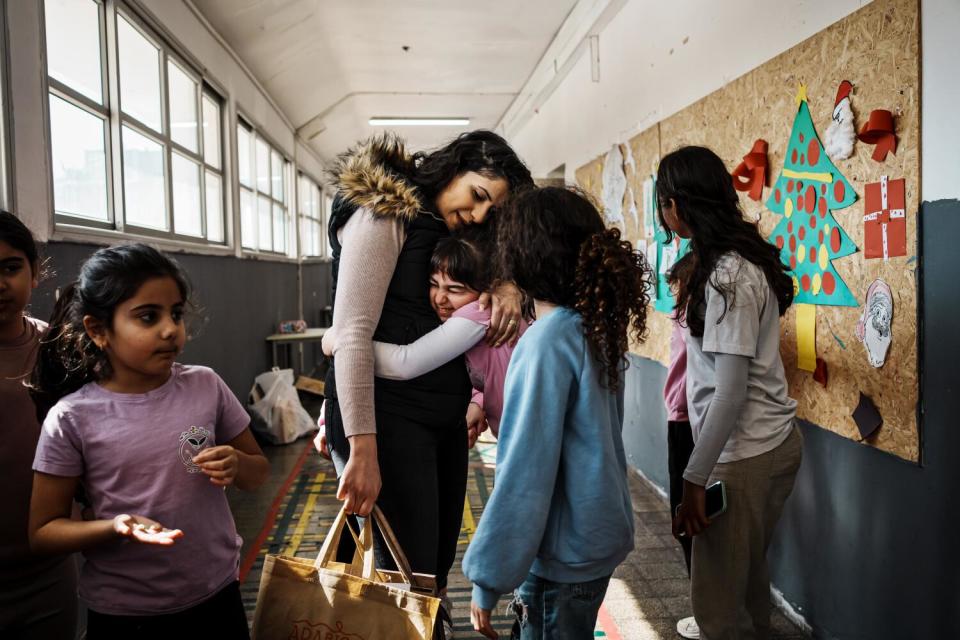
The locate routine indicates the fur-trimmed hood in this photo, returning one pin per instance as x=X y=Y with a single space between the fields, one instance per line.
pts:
x=371 y=174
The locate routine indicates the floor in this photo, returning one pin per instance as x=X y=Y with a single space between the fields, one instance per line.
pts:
x=291 y=513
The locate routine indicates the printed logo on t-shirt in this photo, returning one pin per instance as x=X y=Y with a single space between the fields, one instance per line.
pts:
x=193 y=441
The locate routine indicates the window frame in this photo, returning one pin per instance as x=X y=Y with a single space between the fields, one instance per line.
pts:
x=115 y=119
x=290 y=202
x=321 y=218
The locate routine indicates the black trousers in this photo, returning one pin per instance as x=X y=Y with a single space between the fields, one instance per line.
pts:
x=679 y=448
x=221 y=616
x=424 y=476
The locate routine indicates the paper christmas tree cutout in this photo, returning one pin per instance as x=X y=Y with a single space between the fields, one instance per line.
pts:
x=807 y=191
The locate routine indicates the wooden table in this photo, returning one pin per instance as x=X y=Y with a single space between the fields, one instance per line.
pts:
x=288 y=340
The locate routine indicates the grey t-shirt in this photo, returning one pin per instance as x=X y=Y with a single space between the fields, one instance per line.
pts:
x=748 y=325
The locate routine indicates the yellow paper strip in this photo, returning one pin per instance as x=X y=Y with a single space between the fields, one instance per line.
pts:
x=806 y=336
x=469 y=526
x=826 y=176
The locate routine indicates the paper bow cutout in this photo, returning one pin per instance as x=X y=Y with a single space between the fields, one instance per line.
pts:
x=751 y=174
x=878 y=130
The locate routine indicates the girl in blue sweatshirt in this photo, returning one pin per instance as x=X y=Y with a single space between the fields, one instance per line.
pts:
x=559 y=520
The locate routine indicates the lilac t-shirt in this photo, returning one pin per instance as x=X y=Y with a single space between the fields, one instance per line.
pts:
x=487 y=365
x=133 y=455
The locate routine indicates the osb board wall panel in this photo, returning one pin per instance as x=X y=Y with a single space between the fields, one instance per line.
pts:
x=877 y=49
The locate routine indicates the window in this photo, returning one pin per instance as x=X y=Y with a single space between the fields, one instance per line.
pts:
x=265 y=223
x=311 y=219
x=5 y=183
x=134 y=144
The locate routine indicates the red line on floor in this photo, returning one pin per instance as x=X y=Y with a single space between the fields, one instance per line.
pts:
x=271 y=517
x=608 y=625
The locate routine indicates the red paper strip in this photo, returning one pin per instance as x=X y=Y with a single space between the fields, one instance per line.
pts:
x=879 y=130
x=751 y=174
x=885 y=220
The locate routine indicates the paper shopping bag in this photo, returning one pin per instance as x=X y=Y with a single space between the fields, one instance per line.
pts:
x=324 y=599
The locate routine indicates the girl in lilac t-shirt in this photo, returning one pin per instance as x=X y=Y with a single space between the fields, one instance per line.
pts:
x=151 y=442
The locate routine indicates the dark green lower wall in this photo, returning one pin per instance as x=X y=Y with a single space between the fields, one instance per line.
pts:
x=241 y=302
x=869 y=545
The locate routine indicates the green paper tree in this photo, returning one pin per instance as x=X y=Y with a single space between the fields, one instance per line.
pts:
x=807 y=191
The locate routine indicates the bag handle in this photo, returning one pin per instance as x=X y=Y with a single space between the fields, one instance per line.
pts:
x=393 y=546
x=361 y=557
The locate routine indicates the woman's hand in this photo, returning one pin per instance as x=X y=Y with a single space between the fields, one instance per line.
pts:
x=691 y=518
x=476 y=423
x=360 y=483
x=505 y=311
x=320 y=440
x=220 y=464
x=481 y=621
x=145 y=530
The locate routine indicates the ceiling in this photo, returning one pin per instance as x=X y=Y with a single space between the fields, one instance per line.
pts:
x=333 y=64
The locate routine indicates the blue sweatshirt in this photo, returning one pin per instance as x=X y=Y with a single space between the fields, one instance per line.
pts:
x=560 y=506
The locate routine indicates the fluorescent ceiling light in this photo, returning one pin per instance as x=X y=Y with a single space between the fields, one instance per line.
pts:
x=419 y=122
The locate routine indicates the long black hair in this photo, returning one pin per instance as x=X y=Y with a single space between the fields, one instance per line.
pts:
x=696 y=179
x=68 y=357
x=17 y=235
x=553 y=244
x=479 y=151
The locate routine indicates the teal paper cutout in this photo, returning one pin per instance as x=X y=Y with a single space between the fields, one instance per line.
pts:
x=807 y=228
x=665 y=301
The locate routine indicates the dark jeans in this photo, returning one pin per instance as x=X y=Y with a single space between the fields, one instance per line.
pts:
x=424 y=476
x=221 y=616
x=679 y=448
x=557 y=611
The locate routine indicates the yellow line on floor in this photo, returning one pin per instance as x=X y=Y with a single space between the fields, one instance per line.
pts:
x=469 y=526
x=304 y=520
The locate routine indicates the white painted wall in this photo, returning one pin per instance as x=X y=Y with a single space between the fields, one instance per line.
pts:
x=940 y=100
x=656 y=59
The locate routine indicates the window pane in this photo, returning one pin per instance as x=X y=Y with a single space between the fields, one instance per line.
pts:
x=186 y=196
x=139 y=75
x=214 y=208
x=263 y=166
x=79 y=161
x=248 y=220
x=211 y=133
x=243 y=157
x=143 y=181
x=276 y=167
x=304 y=189
x=264 y=223
x=183 y=107
x=279 y=229
x=73 y=45
x=304 y=237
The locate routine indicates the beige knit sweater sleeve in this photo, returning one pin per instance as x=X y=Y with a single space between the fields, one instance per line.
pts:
x=370 y=249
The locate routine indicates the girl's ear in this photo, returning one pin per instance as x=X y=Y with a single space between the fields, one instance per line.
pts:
x=96 y=331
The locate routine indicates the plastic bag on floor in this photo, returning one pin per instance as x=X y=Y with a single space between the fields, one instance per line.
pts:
x=274 y=398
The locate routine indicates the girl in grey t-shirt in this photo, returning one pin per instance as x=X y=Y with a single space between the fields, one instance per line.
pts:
x=732 y=289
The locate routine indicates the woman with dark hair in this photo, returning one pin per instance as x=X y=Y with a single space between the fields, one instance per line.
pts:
x=403 y=444
x=732 y=289
x=559 y=520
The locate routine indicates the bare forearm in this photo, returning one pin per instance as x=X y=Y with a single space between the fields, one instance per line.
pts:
x=64 y=535
x=252 y=471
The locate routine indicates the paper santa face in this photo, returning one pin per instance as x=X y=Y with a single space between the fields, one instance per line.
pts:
x=874 y=327
x=841 y=134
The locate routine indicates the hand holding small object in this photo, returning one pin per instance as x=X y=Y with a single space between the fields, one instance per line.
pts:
x=220 y=464
x=691 y=518
x=481 y=621
x=145 y=530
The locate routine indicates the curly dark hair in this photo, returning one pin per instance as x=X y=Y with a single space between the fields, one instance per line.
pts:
x=552 y=243
x=696 y=179
x=68 y=358
x=480 y=151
